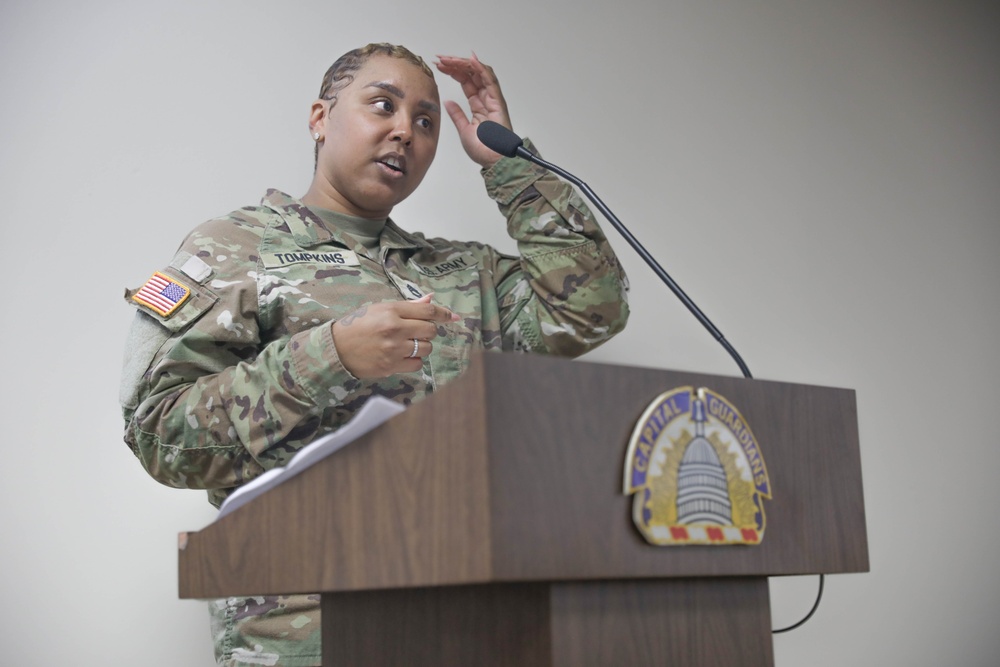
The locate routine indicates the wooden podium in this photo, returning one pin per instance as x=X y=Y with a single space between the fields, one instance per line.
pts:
x=486 y=526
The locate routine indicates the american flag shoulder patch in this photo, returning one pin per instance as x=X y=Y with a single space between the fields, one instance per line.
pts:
x=162 y=293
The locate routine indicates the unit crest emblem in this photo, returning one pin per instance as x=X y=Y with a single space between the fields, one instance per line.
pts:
x=696 y=471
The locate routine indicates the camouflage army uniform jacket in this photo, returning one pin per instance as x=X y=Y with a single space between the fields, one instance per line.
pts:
x=244 y=371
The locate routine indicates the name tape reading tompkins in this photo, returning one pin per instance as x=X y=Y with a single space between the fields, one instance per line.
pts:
x=276 y=260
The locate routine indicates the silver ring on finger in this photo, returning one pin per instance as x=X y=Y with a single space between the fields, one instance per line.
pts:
x=416 y=348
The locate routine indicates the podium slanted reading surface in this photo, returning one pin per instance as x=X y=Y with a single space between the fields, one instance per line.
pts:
x=486 y=526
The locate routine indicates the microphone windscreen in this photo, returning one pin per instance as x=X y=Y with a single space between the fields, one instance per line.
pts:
x=498 y=138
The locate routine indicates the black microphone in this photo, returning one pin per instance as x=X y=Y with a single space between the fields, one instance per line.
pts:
x=498 y=138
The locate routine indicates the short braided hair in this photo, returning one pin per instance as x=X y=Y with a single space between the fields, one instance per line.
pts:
x=341 y=72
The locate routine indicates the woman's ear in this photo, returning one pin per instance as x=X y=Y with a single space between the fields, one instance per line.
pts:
x=317 y=120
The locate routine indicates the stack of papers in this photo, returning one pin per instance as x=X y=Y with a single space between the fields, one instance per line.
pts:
x=375 y=411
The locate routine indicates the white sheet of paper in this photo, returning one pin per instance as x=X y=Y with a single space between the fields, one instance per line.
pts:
x=375 y=411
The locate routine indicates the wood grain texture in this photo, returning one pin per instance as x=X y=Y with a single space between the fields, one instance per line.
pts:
x=704 y=622
x=481 y=625
x=557 y=460
x=404 y=504
x=513 y=473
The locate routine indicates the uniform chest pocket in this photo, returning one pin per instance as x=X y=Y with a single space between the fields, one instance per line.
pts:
x=452 y=350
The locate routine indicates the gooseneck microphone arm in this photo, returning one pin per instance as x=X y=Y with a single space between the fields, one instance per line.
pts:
x=498 y=138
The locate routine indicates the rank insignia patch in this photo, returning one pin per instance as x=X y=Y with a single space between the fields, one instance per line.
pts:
x=162 y=293
x=696 y=472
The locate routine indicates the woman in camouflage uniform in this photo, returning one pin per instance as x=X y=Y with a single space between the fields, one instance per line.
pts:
x=274 y=324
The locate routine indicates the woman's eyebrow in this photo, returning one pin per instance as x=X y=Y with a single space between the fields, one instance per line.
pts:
x=395 y=90
x=385 y=85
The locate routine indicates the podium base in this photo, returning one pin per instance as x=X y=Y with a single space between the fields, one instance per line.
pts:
x=629 y=623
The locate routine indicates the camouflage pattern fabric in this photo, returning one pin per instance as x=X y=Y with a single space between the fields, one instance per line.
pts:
x=244 y=372
x=267 y=630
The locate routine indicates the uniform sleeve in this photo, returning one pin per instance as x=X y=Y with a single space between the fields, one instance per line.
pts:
x=566 y=293
x=208 y=402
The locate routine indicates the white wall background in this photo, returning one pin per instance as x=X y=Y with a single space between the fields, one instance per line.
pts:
x=822 y=177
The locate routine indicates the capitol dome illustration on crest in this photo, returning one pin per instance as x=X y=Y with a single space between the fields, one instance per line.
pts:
x=702 y=489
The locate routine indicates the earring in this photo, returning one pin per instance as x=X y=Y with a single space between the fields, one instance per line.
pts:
x=316 y=136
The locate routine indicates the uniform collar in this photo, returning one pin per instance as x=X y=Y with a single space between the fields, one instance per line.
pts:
x=394 y=237
x=309 y=231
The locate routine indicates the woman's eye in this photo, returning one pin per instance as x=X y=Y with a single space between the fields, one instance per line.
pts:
x=425 y=123
x=384 y=105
